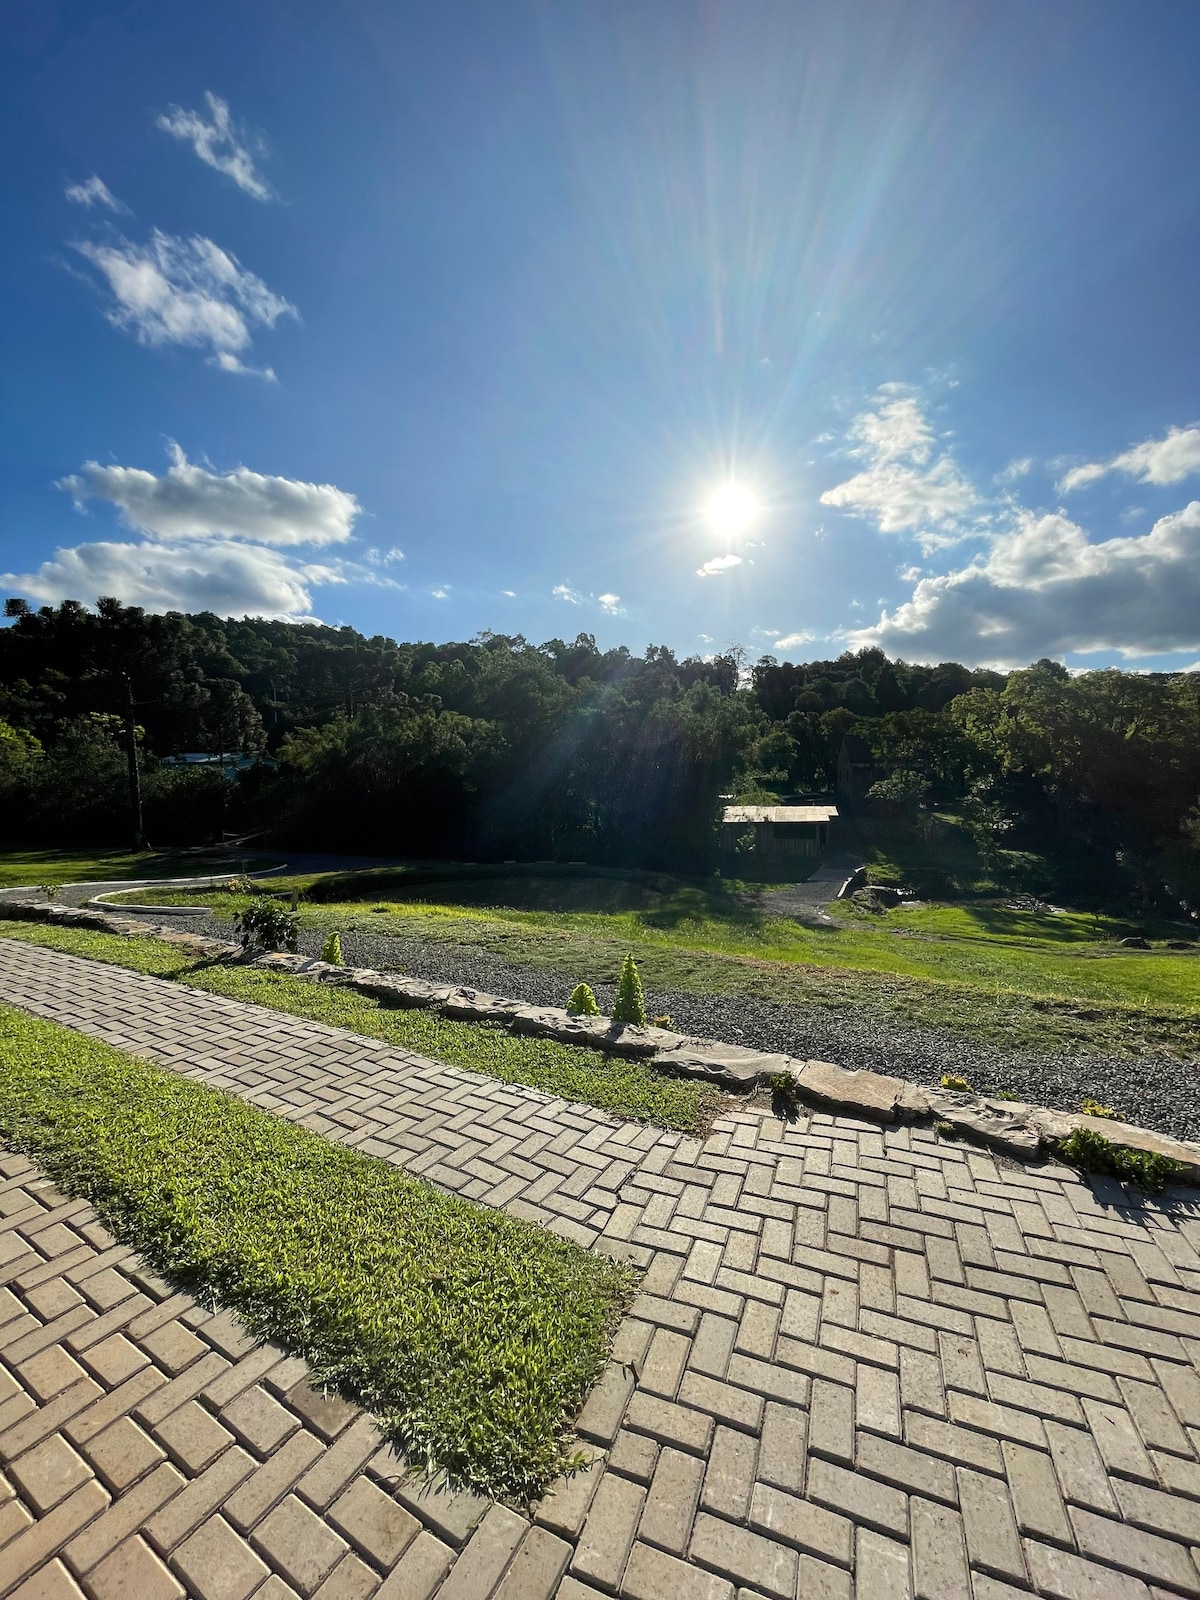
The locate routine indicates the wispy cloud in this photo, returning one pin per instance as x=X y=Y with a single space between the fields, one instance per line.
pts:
x=908 y=484
x=793 y=641
x=717 y=565
x=91 y=192
x=186 y=292
x=189 y=502
x=1015 y=470
x=564 y=591
x=383 y=558
x=220 y=143
x=1159 y=461
x=440 y=594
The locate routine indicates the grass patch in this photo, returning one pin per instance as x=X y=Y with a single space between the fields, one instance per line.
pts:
x=28 y=868
x=1014 y=979
x=472 y=1335
x=610 y=1083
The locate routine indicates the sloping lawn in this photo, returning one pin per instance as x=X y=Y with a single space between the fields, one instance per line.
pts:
x=472 y=1335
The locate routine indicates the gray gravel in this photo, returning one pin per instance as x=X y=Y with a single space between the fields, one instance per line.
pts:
x=1154 y=1092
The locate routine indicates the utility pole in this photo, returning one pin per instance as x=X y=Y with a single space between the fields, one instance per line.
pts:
x=135 y=777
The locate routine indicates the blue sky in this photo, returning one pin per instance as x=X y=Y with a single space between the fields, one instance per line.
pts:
x=446 y=317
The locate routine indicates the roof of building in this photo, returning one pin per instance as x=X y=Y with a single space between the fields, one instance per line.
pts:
x=779 y=813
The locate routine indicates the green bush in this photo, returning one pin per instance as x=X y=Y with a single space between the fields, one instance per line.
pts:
x=1092 y=1152
x=785 y=1097
x=266 y=925
x=959 y=1085
x=582 y=1002
x=630 y=1004
x=331 y=950
x=1096 y=1108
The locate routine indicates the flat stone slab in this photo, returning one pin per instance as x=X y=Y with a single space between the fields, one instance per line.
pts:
x=1053 y=1126
x=602 y=1033
x=861 y=1093
x=1002 y=1126
x=395 y=989
x=473 y=1005
x=729 y=1064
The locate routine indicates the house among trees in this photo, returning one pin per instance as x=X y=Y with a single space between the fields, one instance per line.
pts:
x=776 y=833
x=857 y=770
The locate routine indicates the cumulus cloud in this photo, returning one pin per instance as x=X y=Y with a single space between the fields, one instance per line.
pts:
x=440 y=594
x=219 y=143
x=793 y=641
x=1044 y=589
x=610 y=603
x=1158 y=461
x=91 y=192
x=213 y=575
x=906 y=485
x=718 y=564
x=186 y=292
x=190 y=502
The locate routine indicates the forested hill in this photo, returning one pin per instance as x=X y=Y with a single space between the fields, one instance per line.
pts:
x=499 y=748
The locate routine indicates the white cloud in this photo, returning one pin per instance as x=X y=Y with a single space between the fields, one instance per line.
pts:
x=705 y=638
x=186 y=292
x=718 y=564
x=219 y=143
x=905 y=486
x=383 y=558
x=215 y=575
x=792 y=641
x=564 y=591
x=611 y=603
x=440 y=594
x=190 y=502
x=91 y=192
x=230 y=363
x=1159 y=461
x=1021 y=468
x=509 y=594
x=1045 y=589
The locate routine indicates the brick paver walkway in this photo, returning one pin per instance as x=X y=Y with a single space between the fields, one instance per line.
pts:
x=863 y=1362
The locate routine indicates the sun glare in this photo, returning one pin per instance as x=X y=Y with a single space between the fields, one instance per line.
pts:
x=732 y=510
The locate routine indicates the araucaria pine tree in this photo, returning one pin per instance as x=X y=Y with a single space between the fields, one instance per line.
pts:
x=630 y=1004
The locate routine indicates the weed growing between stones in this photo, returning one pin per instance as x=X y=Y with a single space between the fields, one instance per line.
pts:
x=1092 y=1152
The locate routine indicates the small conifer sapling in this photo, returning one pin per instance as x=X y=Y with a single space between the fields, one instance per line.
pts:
x=582 y=1002
x=630 y=1004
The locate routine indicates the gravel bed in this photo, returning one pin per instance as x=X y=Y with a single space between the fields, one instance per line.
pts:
x=1155 y=1092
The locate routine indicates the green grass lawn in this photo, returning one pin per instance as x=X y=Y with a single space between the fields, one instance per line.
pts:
x=19 y=868
x=472 y=1335
x=624 y=1088
x=1023 y=980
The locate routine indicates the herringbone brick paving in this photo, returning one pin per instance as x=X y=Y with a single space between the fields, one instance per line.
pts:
x=862 y=1362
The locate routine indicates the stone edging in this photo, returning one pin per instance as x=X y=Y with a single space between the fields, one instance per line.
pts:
x=1011 y=1127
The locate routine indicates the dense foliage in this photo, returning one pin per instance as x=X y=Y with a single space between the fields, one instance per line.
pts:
x=500 y=749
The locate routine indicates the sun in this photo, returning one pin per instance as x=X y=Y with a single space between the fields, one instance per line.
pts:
x=732 y=510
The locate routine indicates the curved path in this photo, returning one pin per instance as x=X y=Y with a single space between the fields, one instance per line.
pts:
x=862 y=1362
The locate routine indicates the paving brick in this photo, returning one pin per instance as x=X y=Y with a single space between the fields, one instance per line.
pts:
x=25 y=1552
x=993 y=1544
x=939 y=1557
x=1034 y=1489
x=831 y=1421
x=1117 y=1440
x=535 y=1570
x=258 y=1420
x=671 y=1503
x=49 y=1472
x=654 y=1575
x=744 y=1557
x=478 y=1568
x=192 y=1437
x=298 y=1543
x=914 y=1471
x=217 y=1563
x=122 y=1453
x=133 y=1569
x=270 y=1482
x=809 y=1527
x=634 y=1455
x=877 y=1505
x=881 y=1567
x=335 y=1467
x=326 y=1414
x=605 y=1406
x=669 y=1423
x=608 y=1531
x=782 y=1457
x=566 y=1503
x=51 y=1582
x=734 y=1407
x=665 y=1360
x=1146 y=1556
x=49 y=1372
x=1170 y=1514
x=192 y=1504
x=374 y=1524
x=1063 y=1576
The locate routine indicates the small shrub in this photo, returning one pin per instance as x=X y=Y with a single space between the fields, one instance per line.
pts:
x=785 y=1093
x=266 y=925
x=582 y=1002
x=630 y=1004
x=331 y=950
x=1096 y=1108
x=960 y=1085
x=665 y=1021
x=241 y=885
x=1092 y=1152
x=50 y=890
x=1004 y=1094
x=945 y=1130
